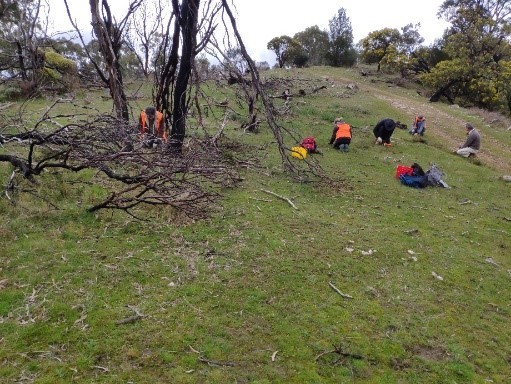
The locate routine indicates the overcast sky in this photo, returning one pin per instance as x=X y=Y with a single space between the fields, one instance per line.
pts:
x=259 y=21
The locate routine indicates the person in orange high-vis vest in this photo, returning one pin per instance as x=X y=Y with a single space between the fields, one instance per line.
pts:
x=418 y=125
x=151 y=127
x=341 y=135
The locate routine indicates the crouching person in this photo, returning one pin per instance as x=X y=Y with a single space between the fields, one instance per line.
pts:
x=341 y=135
x=418 y=125
x=151 y=127
x=383 y=131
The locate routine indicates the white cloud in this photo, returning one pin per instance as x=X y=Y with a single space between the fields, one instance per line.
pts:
x=262 y=20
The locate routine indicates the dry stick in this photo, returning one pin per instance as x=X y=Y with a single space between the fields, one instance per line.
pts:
x=104 y=369
x=217 y=363
x=491 y=261
x=131 y=319
x=341 y=353
x=280 y=197
x=345 y=295
x=5 y=106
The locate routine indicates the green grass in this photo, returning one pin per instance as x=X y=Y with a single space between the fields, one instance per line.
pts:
x=222 y=296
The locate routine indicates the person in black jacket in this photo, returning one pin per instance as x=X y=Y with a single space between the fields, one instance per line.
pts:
x=383 y=131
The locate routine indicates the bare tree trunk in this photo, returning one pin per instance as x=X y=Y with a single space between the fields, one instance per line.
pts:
x=443 y=91
x=165 y=78
x=188 y=21
x=108 y=36
x=21 y=61
x=256 y=81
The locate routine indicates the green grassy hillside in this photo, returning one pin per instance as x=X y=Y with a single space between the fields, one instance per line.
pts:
x=373 y=282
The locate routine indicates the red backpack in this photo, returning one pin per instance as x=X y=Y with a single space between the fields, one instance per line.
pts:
x=309 y=143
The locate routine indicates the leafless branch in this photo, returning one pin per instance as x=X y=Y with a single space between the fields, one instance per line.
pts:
x=135 y=175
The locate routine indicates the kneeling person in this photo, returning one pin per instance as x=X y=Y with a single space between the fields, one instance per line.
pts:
x=341 y=135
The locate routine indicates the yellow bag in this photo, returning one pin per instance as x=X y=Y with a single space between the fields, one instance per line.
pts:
x=299 y=152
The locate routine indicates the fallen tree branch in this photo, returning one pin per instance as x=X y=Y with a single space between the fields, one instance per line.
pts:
x=212 y=362
x=129 y=320
x=345 y=295
x=280 y=197
x=132 y=178
x=341 y=353
x=318 y=89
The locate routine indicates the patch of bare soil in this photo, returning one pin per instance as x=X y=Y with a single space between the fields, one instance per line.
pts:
x=429 y=353
x=493 y=153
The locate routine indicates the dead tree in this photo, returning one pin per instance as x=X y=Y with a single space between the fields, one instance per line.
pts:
x=110 y=37
x=313 y=170
x=187 y=19
x=139 y=177
x=172 y=83
x=144 y=31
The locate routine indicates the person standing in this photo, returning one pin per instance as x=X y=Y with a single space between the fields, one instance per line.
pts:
x=383 y=131
x=472 y=144
x=341 y=135
x=152 y=127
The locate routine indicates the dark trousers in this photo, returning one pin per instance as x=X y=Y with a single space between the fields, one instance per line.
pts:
x=341 y=140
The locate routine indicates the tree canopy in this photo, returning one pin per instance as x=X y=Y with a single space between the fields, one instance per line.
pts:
x=285 y=48
x=479 y=54
x=314 y=43
x=313 y=46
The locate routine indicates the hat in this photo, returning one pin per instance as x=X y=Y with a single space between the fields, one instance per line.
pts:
x=338 y=119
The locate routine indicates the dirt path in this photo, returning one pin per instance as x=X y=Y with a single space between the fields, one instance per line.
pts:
x=448 y=128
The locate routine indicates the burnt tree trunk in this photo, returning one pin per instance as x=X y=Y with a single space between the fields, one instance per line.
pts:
x=166 y=76
x=21 y=61
x=187 y=19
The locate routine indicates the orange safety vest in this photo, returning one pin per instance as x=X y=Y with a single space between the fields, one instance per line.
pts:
x=417 y=120
x=158 y=125
x=343 y=131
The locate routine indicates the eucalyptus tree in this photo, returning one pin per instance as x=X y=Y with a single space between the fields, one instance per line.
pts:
x=145 y=31
x=22 y=34
x=391 y=47
x=379 y=45
x=284 y=47
x=479 y=50
x=315 y=44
